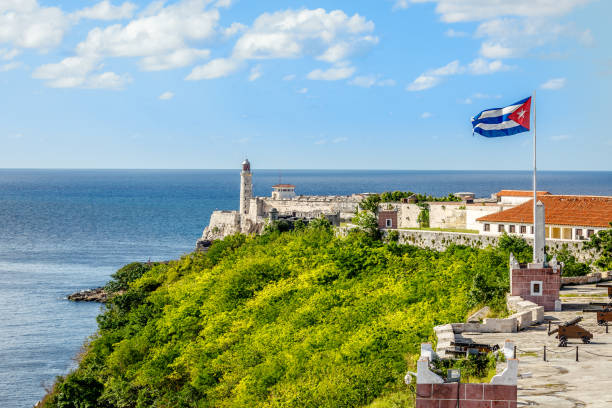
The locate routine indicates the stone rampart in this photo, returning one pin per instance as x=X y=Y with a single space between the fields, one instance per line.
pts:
x=222 y=224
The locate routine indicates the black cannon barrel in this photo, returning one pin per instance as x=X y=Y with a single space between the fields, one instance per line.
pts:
x=572 y=322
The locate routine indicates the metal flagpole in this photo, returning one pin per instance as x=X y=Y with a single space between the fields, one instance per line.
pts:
x=535 y=198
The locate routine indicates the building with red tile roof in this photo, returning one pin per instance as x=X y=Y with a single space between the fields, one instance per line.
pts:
x=567 y=217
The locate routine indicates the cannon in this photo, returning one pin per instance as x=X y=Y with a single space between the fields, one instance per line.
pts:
x=467 y=347
x=604 y=315
x=571 y=330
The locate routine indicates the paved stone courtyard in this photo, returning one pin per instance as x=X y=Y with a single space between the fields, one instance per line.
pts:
x=560 y=381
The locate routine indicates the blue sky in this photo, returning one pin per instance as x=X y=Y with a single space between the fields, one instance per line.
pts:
x=311 y=84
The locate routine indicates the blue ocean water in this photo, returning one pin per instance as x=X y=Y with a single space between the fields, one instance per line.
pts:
x=66 y=230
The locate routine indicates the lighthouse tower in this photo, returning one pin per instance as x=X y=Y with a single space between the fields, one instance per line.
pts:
x=246 y=188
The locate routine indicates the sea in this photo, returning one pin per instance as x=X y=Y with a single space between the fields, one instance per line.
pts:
x=62 y=231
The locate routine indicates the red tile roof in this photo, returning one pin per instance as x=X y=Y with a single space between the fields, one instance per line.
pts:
x=587 y=211
x=283 y=186
x=519 y=193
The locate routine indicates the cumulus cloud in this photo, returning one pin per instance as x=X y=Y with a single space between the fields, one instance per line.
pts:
x=554 y=84
x=26 y=24
x=433 y=77
x=233 y=29
x=327 y=36
x=454 y=33
x=9 y=66
x=426 y=115
x=6 y=54
x=166 y=96
x=177 y=59
x=106 y=11
x=302 y=91
x=160 y=36
x=332 y=74
x=368 y=81
x=217 y=68
x=289 y=77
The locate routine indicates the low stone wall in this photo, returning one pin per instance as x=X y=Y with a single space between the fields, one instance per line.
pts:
x=590 y=278
x=526 y=313
x=440 y=240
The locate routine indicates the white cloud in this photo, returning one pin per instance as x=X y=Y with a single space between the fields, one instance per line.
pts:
x=452 y=11
x=294 y=33
x=289 y=77
x=481 y=66
x=340 y=140
x=7 y=55
x=560 y=138
x=166 y=96
x=332 y=74
x=26 y=24
x=433 y=77
x=426 y=115
x=327 y=36
x=554 y=84
x=106 y=11
x=255 y=73
x=400 y=5
x=159 y=35
x=233 y=29
x=368 y=81
x=9 y=66
x=455 y=34
x=217 y=68
x=177 y=59
x=423 y=82
x=320 y=142
x=302 y=91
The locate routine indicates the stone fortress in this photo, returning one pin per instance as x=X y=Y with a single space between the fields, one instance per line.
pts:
x=255 y=212
x=569 y=220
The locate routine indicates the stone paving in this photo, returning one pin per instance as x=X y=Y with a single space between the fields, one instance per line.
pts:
x=560 y=381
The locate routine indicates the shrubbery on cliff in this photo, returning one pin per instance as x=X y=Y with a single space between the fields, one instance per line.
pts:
x=295 y=319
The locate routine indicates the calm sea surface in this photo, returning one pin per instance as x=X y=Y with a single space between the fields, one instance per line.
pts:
x=66 y=230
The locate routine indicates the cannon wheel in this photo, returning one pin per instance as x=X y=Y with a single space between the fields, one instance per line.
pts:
x=562 y=341
x=586 y=340
x=601 y=322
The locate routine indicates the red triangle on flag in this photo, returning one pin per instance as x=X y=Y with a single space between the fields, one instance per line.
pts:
x=521 y=114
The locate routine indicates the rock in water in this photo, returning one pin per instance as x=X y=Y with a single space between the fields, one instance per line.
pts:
x=91 y=295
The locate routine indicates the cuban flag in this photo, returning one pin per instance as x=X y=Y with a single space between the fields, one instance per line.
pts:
x=506 y=121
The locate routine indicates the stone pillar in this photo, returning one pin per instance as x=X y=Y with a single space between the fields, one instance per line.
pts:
x=539 y=241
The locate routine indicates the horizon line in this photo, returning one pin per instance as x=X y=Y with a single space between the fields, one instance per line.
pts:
x=290 y=169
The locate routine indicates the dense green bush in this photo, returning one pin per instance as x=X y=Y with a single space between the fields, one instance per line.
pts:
x=295 y=319
x=602 y=243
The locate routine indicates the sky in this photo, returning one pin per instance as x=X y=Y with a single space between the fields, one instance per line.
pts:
x=311 y=84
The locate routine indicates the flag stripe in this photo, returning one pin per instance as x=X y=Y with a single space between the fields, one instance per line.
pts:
x=492 y=126
x=498 y=112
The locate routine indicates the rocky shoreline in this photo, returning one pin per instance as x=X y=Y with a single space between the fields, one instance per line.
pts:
x=90 y=295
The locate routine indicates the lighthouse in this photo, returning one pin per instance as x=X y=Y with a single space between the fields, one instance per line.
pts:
x=246 y=188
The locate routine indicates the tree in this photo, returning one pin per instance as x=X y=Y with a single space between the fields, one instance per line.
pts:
x=423 y=218
x=602 y=243
x=370 y=203
x=367 y=222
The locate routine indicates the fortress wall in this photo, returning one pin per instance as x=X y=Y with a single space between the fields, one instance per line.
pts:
x=439 y=241
x=310 y=205
x=407 y=215
x=475 y=211
x=447 y=215
x=222 y=224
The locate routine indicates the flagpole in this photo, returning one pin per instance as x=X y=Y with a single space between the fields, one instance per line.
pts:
x=535 y=198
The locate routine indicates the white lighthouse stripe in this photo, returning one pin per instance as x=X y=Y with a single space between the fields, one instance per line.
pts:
x=498 y=112
x=497 y=126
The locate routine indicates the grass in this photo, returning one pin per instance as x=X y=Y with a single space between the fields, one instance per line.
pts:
x=468 y=231
x=574 y=295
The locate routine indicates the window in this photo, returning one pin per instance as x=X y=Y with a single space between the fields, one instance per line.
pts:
x=578 y=233
x=531 y=229
x=389 y=222
x=500 y=228
x=523 y=229
x=512 y=228
x=487 y=227
x=590 y=232
x=536 y=288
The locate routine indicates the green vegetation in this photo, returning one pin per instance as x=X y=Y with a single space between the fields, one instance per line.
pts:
x=571 y=267
x=602 y=243
x=397 y=196
x=476 y=368
x=295 y=319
